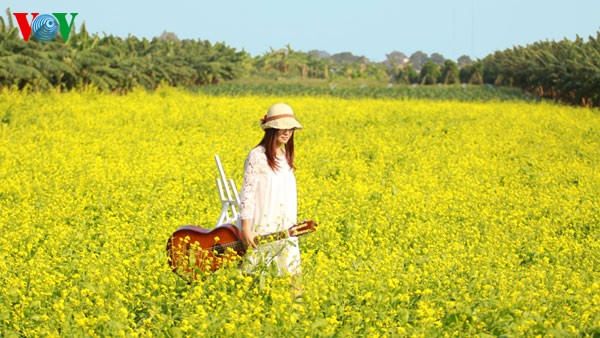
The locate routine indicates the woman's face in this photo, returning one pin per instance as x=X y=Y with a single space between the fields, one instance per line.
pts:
x=283 y=135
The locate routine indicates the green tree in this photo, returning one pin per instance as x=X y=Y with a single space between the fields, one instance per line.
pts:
x=406 y=75
x=472 y=74
x=566 y=70
x=113 y=63
x=449 y=73
x=430 y=73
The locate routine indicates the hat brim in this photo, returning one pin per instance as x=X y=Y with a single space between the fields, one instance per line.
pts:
x=284 y=123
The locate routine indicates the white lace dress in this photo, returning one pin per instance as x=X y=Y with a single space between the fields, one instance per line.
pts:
x=269 y=199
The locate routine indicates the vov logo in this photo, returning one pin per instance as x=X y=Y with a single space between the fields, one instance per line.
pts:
x=45 y=27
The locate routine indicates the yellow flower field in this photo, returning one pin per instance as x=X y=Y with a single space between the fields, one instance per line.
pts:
x=435 y=218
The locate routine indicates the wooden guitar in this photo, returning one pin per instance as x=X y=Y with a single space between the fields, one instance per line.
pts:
x=192 y=249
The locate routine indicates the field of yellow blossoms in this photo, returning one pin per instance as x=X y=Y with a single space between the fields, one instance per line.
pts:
x=436 y=218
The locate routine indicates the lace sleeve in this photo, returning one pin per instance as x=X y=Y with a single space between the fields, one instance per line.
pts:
x=247 y=195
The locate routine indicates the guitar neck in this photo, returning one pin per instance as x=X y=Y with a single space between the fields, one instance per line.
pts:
x=240 y=247
x=274 y=236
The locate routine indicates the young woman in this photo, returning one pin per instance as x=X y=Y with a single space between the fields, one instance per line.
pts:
x=269 y=197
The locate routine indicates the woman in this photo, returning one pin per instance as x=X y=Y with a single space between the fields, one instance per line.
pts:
x=269 y=196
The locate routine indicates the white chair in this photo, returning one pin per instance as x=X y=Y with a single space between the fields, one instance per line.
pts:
x=230 y=199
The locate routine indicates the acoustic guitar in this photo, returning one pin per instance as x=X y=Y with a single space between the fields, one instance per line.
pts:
x=192 y=249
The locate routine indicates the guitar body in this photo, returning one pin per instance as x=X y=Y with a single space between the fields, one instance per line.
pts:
x=192 y=249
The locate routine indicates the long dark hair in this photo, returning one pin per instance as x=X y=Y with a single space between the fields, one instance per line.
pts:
x=268 y=141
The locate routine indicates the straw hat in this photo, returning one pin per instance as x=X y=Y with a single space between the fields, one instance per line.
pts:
x=280 y=116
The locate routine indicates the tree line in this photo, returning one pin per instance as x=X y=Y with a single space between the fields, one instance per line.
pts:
x=111 y=63
x=566 y=70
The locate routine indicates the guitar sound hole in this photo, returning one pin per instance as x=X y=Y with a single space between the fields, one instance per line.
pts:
x=219 y=249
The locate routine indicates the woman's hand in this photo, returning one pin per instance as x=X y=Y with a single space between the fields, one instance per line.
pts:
x=248 y=235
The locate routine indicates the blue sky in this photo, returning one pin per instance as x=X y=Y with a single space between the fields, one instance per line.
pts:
x=372 y=28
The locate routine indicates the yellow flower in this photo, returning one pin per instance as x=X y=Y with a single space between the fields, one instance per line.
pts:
x=435 y=217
